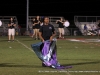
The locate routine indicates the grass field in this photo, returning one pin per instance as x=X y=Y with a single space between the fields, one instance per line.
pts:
x=17 y=58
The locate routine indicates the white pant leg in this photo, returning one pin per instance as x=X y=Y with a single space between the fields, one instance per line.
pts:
x=62 y=31
x=11 y=31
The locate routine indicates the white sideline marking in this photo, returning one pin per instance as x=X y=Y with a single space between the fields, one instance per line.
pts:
x=24 y=45
x=74 y=40
x=86 y=40
x=76 y=47
x=66 y=72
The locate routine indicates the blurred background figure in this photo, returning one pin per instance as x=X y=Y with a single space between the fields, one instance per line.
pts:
x=36 y=25
x=85 y=29
x=61 y=27
x=41 y=21
x=19 y=28
x=33 y=27
x=0 y=23
x=99 y=29
x=11 y=29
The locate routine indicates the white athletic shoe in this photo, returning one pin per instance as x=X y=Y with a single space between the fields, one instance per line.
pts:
x=9 y=41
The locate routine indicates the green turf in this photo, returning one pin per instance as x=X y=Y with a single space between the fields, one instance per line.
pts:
x=19 y=60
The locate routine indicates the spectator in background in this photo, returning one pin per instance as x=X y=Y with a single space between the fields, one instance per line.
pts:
x=37 y=27
x=33 y=27
x=4 y=31
x=41 y=21
x=94 y=29
x=61 y=27
x=85 y=29
x=11 y=29
x=99 y=29
x=19 y=27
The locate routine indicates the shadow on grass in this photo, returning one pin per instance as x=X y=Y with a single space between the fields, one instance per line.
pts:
x=36 y=66
x=3 y=40
x=14 y=65
x=23 y=36
x=28 y=40
x=81 y=59
x=31 y=40
x=83 y=63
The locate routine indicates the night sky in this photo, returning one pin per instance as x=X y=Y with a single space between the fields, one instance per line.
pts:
x=66 y=8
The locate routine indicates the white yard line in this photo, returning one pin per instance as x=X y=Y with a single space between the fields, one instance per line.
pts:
x=85 y=41
x=24 y=45
x=66 y=72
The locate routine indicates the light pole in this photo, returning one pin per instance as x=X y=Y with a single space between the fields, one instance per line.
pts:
x=27 y=14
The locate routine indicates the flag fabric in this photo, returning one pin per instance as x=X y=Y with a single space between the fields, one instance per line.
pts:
x=47 y=53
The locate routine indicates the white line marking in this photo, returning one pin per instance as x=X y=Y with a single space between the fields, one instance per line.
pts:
x=24 y=45
x=66 y=72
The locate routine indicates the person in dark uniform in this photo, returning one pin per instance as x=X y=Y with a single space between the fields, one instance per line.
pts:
x=41 y=20
x=11 y=29
x=46 y=32
x=37 y=27
x=61 y=27
x=33 y=27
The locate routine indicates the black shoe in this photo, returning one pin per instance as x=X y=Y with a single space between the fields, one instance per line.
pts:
x=43 y=65
x=12 y=40
x=38 y=38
